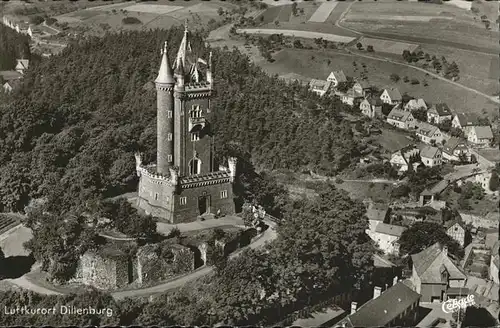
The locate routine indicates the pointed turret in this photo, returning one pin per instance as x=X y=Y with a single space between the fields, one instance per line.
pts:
x=184 y=48
x=165 y=74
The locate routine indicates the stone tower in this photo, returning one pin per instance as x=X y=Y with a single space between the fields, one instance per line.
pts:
x=184 y=183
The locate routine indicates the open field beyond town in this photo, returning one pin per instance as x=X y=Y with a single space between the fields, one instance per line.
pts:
x=314 y=64
x=464 y=28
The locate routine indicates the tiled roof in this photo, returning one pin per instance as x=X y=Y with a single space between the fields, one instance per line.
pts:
x=426 y=129
x=441 y=109
x=320 y=84
x=389 y=229
x=429 y=262
x=468 y=119
x=385 y=308
x=452 y=224
x=398 y=115
x=457 y=291
x=363 y=84
x=340 y=76
x=453 y=143
x=380 y=262
x=483 y=132
x=394 y=94
x=416 y=103
x=429 y=152
x=374 y=101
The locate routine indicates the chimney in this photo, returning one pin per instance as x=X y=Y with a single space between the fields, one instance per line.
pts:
x=354 y=306
x=395 y=280
x=445 y=250
x=376 y=292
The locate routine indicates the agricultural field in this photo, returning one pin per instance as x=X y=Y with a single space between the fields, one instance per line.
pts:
x=310 y=16
x=388 y=46
x=298 y=34
x=423 y=22
x=318 y=63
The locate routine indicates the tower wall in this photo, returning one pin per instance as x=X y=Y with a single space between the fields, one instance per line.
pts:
x=165 y=127
x=179 y=149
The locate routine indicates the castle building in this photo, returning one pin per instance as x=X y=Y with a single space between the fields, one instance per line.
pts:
x=184 y=182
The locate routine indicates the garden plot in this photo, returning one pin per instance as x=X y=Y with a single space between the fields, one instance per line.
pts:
x=321 y=14
x=299 y=34
x=392 y=47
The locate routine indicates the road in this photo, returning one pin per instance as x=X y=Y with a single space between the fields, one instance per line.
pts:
x=267 y=236
x=419 y=40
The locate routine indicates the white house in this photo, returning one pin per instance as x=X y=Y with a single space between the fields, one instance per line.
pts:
x=415 y=104
x=22 y=65
x=391 y=96
x=336 y=78
x=9 y=86
x=431 y=156
x=352 y=96
x=387 y=236
x=439 y=113
x=457 y=232
x=454 y=148
x=484 y=180
x=429 y=134
x=371 y=107
x=402 y=158
x=480 y=135
x=401 y=119
x=319 y=87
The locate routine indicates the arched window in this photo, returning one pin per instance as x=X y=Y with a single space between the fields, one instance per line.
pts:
x=194 y=166
x=195 y=111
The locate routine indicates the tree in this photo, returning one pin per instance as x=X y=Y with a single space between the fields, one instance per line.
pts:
x=369 y=48
x=36 y=20
x=406 y=79
x=415 y=81
x=297 y=44
x=395 y=77
x=359 y=46
x=420 y=114
x=494 y=181
x=422 y=235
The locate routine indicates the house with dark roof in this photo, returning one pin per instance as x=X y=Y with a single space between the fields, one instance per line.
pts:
x=456 y=230
x=386 y=236
x=455 y=148
x=429 y=133
x=397 y=306
x=480 y=135
x=319 y=87
x=431 y=156
x=439 y=113
x=371 y=107
x=434 y=274
x=463 y=120
x=336 y=77
x=391 y=96
x=401 y=119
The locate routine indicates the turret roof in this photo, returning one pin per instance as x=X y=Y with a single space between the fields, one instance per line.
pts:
x=165 y=74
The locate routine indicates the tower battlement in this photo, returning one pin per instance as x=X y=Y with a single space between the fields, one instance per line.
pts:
x=184 y=182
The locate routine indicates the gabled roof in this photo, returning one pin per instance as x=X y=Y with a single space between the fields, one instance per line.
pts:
x=22 y=64
x=385 y=308
x=452 y=224
x=363 y=84
x=353 y=94
x=380 y=262
x=427 y=129
x=430 y=262
x=454 y=143
x=416 y=103
x=320 y=84
x=429 y=152
x=399 y=115
x=483 y=132
x=467 y=119
x=374 y=101
x=441 y=109
x=394 y=94
x=339 y=76
x=389 y=229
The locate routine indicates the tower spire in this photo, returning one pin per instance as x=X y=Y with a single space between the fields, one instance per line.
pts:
x=165 y=74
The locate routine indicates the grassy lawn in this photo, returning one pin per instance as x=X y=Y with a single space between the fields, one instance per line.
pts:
x=392 y=140
x=378 y=192
x=478 y=71
x=314 y=64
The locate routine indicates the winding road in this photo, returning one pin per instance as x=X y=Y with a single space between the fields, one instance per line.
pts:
x=267 y=236
x=338 y=24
